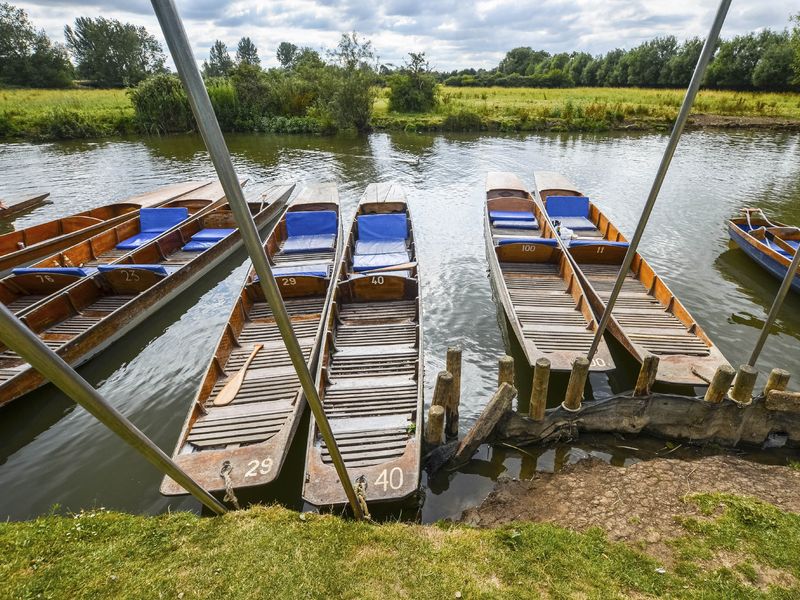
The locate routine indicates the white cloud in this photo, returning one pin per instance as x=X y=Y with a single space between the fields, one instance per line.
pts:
x=454 y=34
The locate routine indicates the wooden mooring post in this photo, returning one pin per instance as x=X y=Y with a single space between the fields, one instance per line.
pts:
x=505 y=374
x=778 y=380
x=743 y=385
x=541 y=382
x=434 y=426
x=443 y=390
x=647 y=376
x=577 y=381
x=720 y=384
x=451 y=410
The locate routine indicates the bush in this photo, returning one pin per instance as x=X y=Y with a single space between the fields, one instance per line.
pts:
x=161 y=105
x=414 y=88
x=223 y=99
x=463 y=120
x=66 y=124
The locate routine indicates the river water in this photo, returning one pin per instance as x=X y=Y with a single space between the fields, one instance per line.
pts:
x=53 y=453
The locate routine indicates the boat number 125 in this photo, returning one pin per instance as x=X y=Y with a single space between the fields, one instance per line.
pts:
x=259 y=467
x=390 y=479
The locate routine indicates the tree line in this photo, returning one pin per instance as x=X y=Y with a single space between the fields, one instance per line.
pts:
x=766 y=60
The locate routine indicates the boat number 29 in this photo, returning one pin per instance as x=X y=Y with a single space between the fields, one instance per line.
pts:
x=288 y=281
x=257 y=467
x=378 y=280
x=390 y=479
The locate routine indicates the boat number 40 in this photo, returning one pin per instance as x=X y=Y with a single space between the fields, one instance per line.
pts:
x=259 y=467
x=390 y=479
x=378 y=280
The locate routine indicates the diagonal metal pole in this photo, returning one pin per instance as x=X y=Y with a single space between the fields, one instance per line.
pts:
x=776 y=307
x=178 y=42
x=666 y=159
x=27 y=344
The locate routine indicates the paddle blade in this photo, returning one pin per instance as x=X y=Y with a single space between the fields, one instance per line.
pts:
x=228 y=393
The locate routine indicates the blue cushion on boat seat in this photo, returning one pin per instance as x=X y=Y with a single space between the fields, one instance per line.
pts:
x=311 y=222
x=576 y=223
x=159 y=269
x=512 y=215
x=531 y=240
x=309 y=270
x=382 y=227
x=309 y=243
x=380 y=246
x=161 y=219
x=75 y=271
x=140 y=239
x=597 y=243
x=516 y=224
x=212 y=234
x=199 y=245
x=366 y=262
x=567 y=206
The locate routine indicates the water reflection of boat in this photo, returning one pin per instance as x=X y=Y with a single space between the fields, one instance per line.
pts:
x=12 y=209
x=648 y=317
x=772 y=245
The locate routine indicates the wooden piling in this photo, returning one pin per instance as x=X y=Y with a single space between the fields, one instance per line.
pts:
x=434 y=426
x=778 y=380
x=744 y=383
x=443 y=389
x=486 y=423
x=720 y=383
x=505 y=374
x=647 y=375
x=577 y=381
x=451 y=410
x=541 y=381
x=783 y=401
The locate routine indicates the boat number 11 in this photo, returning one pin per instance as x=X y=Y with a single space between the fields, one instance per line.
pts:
x=259 y=467
x=390 y=479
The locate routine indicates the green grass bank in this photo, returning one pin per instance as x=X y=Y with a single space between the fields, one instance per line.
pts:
x=735 y=548
x=91 y=113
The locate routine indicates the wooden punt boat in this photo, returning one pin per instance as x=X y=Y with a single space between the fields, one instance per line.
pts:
x=647 y=317
x=370 y=377
x=771 y=245
x=29 y=286
x=87 y=317
x=12 y=209
x=536 y=283
x=252 y=433
x=18 y=248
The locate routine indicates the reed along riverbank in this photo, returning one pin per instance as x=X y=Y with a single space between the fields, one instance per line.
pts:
x=734 y=547
x=93 y=113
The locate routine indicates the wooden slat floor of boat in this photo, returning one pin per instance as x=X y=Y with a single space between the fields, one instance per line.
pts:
x=302 y=257
x=646 y=321
x=23 y=302
x=282 y=385
x=400 y=310
x=506 y=231
x=269 y=356
x=371 y=401
x=106 y=257
x=294 y=306
x=403 y=363
x=528 y=268
x=565 y=339
x=372 y=335
x=6 y=374
x=180 y=258
x=12 y=357
x=599 y=270
x=367 y=448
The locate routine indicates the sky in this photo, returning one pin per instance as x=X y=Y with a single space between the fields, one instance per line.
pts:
x=454 y=34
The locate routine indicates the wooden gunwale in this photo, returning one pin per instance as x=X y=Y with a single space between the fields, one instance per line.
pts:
x=370 y=378
x=46 y=238
x=255 y=431
x=648 y=316
x=85 y=319
x=540 y=294
x=22 y=293
x=12 y=210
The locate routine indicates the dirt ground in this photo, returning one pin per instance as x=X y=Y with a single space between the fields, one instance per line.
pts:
x=739 y=122
x=634 y=504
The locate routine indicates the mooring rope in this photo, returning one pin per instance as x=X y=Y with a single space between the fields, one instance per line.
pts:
x=230 y=496
x=361 y=495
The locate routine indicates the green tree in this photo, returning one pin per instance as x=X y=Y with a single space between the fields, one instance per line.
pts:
x=247 y=53
x=286 y=54
x=736 y=60
x=773 y=71
x=350 y=104
x=679 y=69
x=113 y=54
x=795 y=45
x=413 y=88
x=646 y=64
x=522 y=60
x=219 y=63
x=577 y=67
x=27 y=56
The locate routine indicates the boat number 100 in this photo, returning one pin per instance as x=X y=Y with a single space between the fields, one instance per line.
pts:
x=390 y=479
x=259 y=467
x=598 y=362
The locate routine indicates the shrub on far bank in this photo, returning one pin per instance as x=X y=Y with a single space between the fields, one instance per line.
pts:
x=161 y=105
x=413 y=88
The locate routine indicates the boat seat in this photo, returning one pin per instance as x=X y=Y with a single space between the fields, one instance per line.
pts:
x=511 y=215
x=310 y=231
x=152 y=223
x=597 y=243
x=504 y=224
x=567 y=206
x=380 y=246
x=199 y=245
x=530 y=240
x=158 y=269
x=74 y=271
x=403 y=273
x=576 y=223
x=392 y=226
x=309 y=270
x=212 y=234
x=367 y=262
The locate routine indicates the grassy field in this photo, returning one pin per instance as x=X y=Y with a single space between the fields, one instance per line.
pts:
x=741 y=548
x=59 y=114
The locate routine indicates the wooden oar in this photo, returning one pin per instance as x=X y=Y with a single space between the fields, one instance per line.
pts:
x=228 y=393
x=403 y=267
